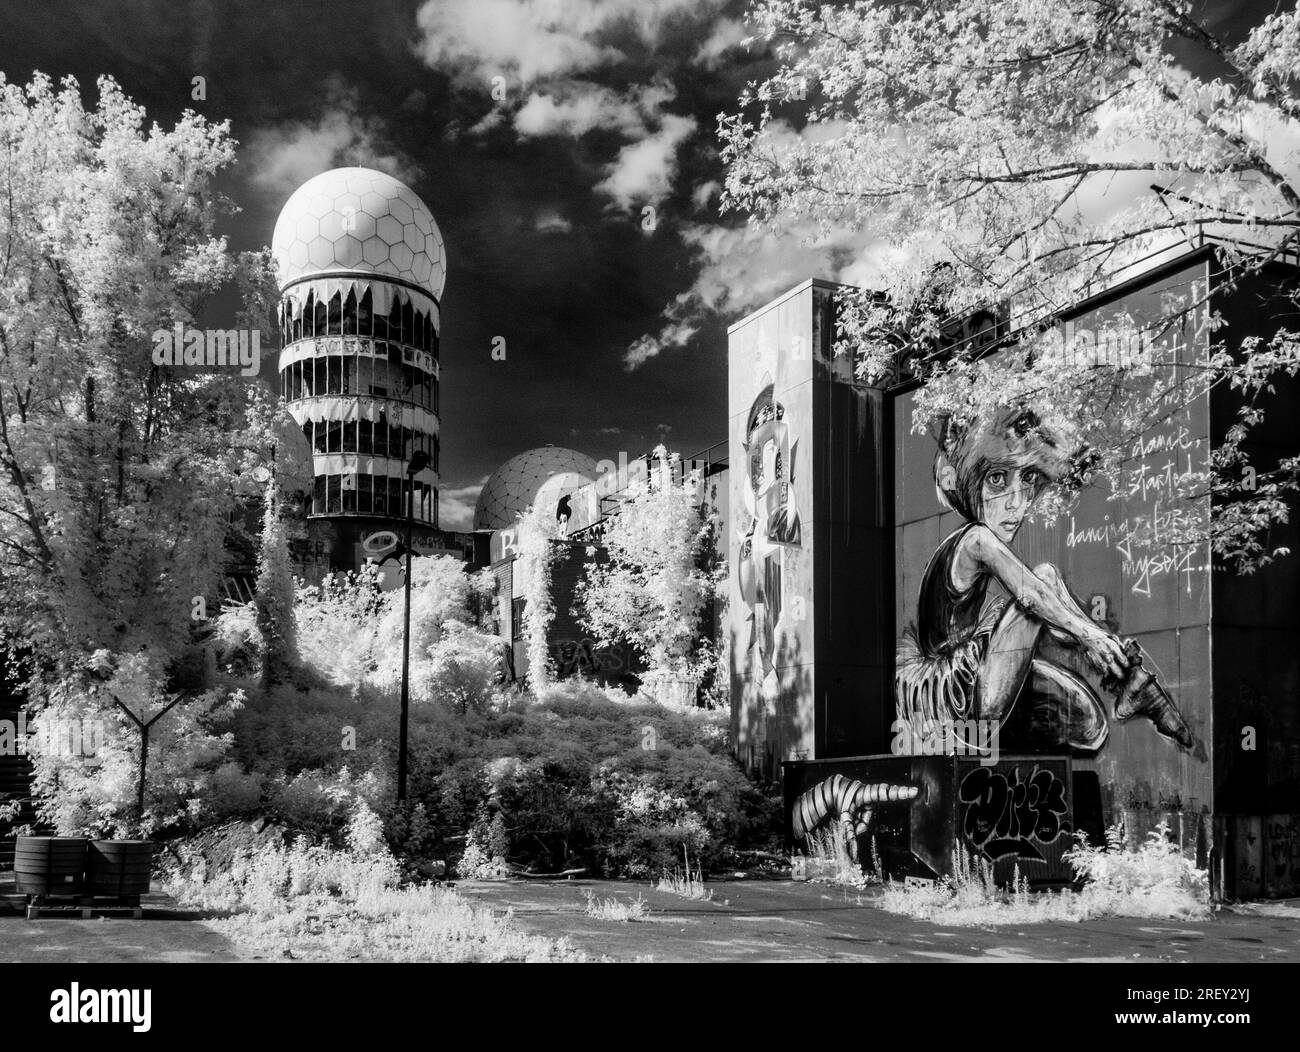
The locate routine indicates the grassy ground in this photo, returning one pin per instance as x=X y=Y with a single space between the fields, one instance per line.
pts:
x=315 y=903
x=406 y=925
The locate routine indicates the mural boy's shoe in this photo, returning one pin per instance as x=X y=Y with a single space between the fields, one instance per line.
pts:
x=1139 y=693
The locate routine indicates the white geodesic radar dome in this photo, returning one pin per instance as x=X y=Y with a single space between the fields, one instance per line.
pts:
x=515 y=485
x=358 y=219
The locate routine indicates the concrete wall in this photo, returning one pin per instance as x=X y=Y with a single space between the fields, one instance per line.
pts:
x=807 y=530
x=771 y=590
x=1256 y=623
x=1161 y=599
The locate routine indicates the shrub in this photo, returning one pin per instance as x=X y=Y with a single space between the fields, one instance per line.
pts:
x=1155 y=880
x=232 y=791
x=237 y=640
x=336 y=626
x=482 y=859
x=464 y=668
x=652 y=589
x=325 y=802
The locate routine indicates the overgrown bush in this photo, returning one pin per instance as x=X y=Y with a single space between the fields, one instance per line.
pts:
x=91 y=789
x=579 y=776
x=464 y=668
x=1155 y=880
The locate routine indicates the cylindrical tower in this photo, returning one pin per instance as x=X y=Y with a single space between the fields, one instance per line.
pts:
x=361 y=268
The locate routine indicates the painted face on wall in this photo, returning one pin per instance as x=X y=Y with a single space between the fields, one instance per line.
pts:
x=1006 y=495
x=764 y=460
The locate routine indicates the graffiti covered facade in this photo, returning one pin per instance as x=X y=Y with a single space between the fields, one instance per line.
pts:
x=1136 y=679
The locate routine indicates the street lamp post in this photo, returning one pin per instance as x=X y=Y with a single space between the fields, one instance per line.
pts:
x=419 y=461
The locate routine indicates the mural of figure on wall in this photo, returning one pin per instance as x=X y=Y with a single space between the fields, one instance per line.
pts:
x=971 y=657
x=771 y=523
x=845 y=805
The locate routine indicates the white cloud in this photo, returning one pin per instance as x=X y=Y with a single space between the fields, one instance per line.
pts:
x=674 y=334
x=552 y=222
x=644 y=170
x=704 y=193
x=741 y=268
x=546 y=51
x=726 y=35
x=284 y=156
x=579 y=109
x=527 y=40
x=456 y=506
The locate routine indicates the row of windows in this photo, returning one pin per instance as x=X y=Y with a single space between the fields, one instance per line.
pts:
x=343 y=375
x=365 y=494
x=374 y=438
x=348 y=317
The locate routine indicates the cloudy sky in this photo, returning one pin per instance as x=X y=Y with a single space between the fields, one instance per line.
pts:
x=614 y=317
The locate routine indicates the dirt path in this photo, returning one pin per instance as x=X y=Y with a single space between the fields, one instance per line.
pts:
x=788 y=921
x=165 y=933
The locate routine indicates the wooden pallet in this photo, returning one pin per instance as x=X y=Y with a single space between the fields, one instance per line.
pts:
x=83 y=906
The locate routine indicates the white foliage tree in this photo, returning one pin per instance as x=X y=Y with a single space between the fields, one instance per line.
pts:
x=535 y=534
x=93 y=789
x=651 y=591
x=116 y=474
x=336 y=624
x=1025 y=152
x=440 y=590
x=275 y=593
x=464 y=667
x=351 y=632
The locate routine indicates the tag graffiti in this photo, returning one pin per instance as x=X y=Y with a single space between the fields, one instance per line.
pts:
x=1011 y=816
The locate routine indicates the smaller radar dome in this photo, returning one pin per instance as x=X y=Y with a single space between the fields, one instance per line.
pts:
x=517 y=484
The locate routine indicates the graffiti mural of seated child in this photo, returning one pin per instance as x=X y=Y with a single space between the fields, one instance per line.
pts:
x=965 y=659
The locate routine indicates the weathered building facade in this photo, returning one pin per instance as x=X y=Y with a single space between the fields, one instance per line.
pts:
x=843 y=603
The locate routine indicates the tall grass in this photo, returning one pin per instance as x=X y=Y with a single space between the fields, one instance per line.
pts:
x=614 y=910
x=687 y=882
x=830 y=858
x=309 y=902
x=1151 y=881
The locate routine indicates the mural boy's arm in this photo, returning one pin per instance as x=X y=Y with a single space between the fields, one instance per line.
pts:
x=1038 y=599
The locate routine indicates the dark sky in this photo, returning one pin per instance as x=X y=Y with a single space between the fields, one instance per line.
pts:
x=610 y=107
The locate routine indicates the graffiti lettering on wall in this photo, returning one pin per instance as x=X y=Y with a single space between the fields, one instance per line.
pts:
x=969 y=655
x=1009 y=815
x=575 y=656
x=769 y=524
x=1282 y=840
x=1163 y=467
